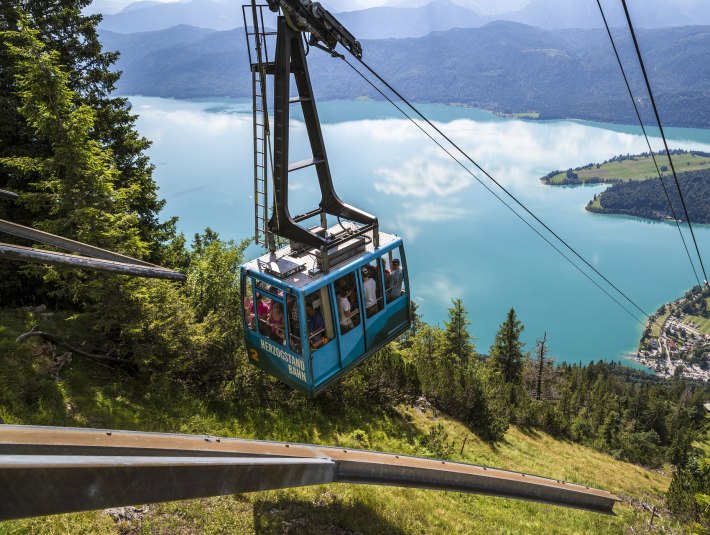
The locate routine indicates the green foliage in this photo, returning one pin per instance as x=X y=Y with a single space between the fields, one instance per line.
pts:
x=70 y=149
x=76 y=185
x=453 y=379
x=687 y=495
x=457 y=345
x=213 y=276
x=391 y=377
x=506 y=353
x=438 y=442
x=647 y=198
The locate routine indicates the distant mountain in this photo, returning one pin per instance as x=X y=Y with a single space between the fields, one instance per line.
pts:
x=413 y=18
x=139 y=46
x=152 y=16
x=140 y=5
x=372 y=23
x=484 y=7
x=109 y=7
x=385 y=22
x=504 y=67
x=553 y=14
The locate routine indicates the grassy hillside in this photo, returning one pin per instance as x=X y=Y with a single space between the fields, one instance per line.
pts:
x=629 y=169
x=82 y=393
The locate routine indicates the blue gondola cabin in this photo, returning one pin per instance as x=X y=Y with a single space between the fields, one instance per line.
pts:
x=308 y=328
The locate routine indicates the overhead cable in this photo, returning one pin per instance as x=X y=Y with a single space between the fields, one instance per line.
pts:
x=645 y=135
x=508 y=206
x=663 y=136
x=505 y=190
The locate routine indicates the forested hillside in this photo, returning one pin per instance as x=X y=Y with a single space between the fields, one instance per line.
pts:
x=164 y=356
x=513 y=68
x=647 y=198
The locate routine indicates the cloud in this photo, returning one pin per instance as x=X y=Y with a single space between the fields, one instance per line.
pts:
x=430 y=212
x=438 y=286
x=422 y=176
x=413 y=217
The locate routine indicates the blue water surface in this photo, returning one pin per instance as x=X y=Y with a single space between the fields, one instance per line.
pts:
x=461 y=241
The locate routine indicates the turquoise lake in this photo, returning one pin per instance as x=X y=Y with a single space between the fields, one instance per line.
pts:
x=460 y=240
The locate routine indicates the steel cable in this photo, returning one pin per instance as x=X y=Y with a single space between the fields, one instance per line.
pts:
x=663 y=135
x=384 y=95
x=645 y=135
x=503 y=188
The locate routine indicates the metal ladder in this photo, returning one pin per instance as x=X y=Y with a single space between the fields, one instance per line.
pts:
x=259 y=61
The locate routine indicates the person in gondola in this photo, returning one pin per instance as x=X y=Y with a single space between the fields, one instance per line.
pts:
x=293 y=324
x=344 y=309
x=316 y=327
x=388 y=277
x=396 y=277
x=249 y=311
x=276 y=323
x=262 y=314
x=370 y=289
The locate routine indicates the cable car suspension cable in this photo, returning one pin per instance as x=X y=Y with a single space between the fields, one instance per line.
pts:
x=645 y=135
x=505 y=190
x=517 y=214
x=325 y=29
x=663 y=136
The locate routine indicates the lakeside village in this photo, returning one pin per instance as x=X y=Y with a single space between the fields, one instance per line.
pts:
x=676 y=339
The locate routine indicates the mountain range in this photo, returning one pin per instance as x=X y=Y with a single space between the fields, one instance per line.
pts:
x=415 y=19
x=503 y=67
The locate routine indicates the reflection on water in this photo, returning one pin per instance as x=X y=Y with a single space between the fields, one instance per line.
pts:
x=460 y=240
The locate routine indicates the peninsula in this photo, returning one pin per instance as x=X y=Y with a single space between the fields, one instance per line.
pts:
x=636 y=189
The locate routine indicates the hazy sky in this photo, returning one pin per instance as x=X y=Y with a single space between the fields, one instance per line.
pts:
x=481 y=6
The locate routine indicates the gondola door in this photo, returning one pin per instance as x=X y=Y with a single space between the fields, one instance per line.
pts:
x=350 y=318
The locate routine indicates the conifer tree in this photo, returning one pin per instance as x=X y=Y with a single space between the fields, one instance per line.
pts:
x=76 y=189
x=74 y=180
x=457 y=340
x=63 y=29
x=506 y=353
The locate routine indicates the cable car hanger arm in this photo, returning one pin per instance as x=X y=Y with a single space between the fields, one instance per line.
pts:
x=311 y=17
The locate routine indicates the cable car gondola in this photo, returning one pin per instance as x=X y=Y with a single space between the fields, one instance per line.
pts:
x=326 y=296
x=307 y=327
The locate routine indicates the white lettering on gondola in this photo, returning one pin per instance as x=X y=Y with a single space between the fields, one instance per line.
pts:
x=296 y=366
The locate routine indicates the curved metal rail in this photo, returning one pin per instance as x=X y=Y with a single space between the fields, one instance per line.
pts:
x=49 y=470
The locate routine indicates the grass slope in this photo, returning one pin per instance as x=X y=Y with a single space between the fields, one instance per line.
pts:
x=85 y=394
x=638 y=168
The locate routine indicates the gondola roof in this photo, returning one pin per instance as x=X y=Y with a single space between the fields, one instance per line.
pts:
x=300 y=268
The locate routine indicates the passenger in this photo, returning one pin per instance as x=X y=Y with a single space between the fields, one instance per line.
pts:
x=388 y=277
x=249 y=311
x=276 y=322
x=344 y=309
x=293 y=324
x=262 y=314
x=397 y=278
x=316 y=327
x=276 y=291
x=370 y=289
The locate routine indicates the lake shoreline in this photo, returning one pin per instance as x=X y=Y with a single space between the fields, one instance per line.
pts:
x=460 y=241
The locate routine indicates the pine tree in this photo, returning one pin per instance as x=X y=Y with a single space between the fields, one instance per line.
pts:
x=506 y=353
x=74 y=180
x=62 y=29
x=457 y=340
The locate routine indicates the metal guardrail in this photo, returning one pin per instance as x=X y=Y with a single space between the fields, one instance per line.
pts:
x=29 y=233
x=96 y=259
x=4 y=194
x=37 y=256
x=48 y=470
